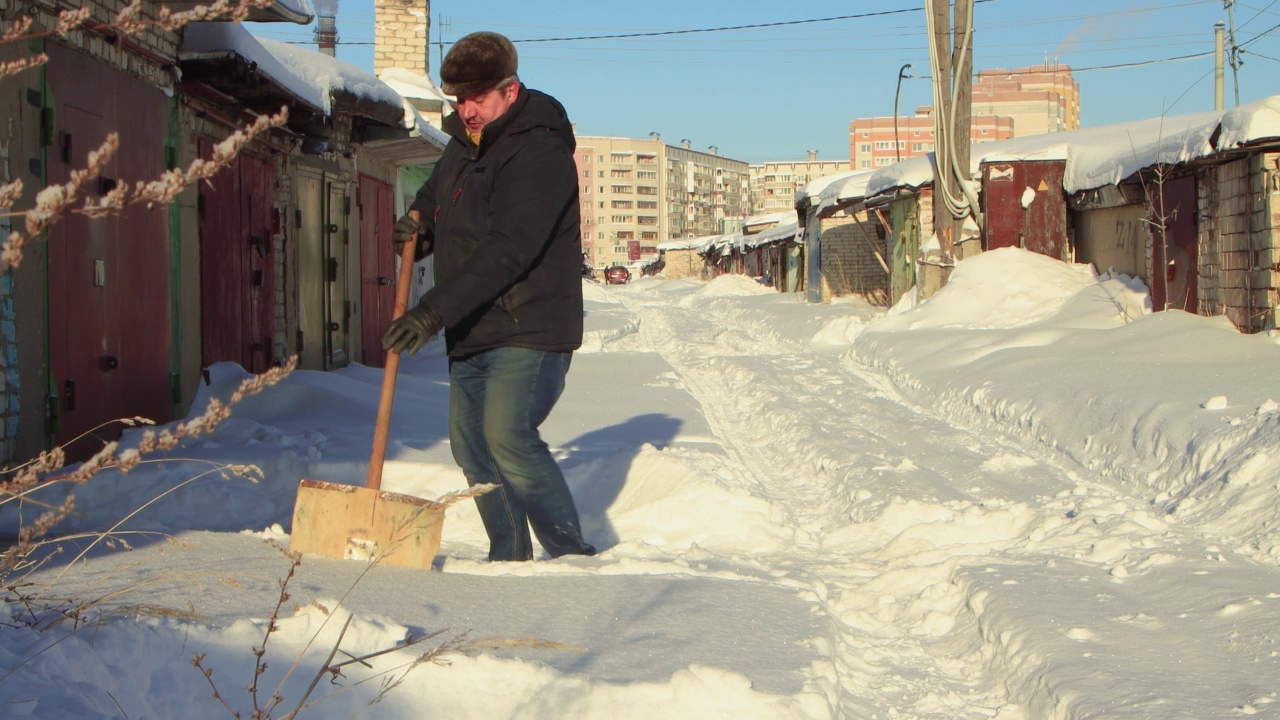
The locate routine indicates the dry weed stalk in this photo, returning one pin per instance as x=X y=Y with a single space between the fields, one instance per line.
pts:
x=35 y=475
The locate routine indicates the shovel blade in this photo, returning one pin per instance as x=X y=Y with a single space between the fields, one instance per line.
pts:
x=339 y=521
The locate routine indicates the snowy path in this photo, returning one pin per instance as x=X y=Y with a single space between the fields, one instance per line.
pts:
x=990 y=507
x=905 y=525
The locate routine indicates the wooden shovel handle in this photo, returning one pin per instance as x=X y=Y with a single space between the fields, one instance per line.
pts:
x=382 y=429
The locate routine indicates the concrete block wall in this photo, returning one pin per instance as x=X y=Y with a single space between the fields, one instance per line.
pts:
x=850 y=265
x=1240 y=241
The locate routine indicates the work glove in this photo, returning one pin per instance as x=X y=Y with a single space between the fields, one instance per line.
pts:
x=406 y=227
x=409 y=332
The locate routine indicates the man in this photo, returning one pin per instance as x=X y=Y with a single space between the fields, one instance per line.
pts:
x=500 y=213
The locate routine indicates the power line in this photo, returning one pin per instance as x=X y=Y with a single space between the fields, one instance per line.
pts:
x=1258 y=14
x=756 y=26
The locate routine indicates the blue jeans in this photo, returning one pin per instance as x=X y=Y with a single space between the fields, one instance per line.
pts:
x=497 y=400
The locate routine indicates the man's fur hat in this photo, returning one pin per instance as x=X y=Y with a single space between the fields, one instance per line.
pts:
x=476 y=63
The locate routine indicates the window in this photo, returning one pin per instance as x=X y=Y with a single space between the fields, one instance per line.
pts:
x=586 y=173
x=601 y=204
x=917 y=147
x=865 y=147
x=864 y=164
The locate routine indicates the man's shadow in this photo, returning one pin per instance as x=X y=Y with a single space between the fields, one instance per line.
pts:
x=596 y=465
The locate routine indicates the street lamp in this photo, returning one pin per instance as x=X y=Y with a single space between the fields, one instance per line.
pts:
x=902 y=74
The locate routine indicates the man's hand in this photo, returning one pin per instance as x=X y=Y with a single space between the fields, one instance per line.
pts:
x=405 y=230
x=409 y=332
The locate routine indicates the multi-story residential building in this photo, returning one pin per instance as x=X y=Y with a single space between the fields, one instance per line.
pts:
x=636 y=193
x=881 y=141
x=774 y=184
x=1040 y=99
x=1006 y=103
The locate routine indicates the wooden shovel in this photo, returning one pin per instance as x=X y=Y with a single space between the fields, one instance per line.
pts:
x=338 y=520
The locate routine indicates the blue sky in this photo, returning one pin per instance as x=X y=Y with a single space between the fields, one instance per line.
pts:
x=773 y=93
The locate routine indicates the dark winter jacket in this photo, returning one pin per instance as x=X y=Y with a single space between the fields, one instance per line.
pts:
x=503 y=222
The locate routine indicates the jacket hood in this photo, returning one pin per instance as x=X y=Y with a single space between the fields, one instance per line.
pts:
x=532 y=109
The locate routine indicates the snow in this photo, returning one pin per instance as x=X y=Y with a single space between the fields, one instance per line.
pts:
x=1026 y=497
x=310 y=75
x=834 y=189
x=1105 y=155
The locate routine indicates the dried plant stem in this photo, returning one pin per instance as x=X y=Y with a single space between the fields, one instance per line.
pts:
x=80 y=556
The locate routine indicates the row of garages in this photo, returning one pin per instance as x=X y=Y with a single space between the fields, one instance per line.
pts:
x=285 y=252
x=1188 y=204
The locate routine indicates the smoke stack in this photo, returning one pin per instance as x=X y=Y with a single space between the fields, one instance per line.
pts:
x=813 y=155
x=326 y=33
x=400 y=35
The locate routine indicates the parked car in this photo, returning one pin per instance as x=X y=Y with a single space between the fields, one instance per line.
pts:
x=588 y=272
x=617 y=275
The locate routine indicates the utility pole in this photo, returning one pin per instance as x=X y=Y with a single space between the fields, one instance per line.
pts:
x=962 y=113
x=1218 y=72
x=951 y=57
x=941 y=49
x=1236 y=62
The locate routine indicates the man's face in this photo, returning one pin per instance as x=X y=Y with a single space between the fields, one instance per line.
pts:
x=480 y=109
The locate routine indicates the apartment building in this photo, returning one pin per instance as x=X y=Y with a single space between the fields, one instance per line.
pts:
x=1040 y=99
x=636 y=193
x=1006 y=103
x=881 y=141
x=774 y=184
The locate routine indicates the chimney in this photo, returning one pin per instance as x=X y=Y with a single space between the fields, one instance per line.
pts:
x=813 y=156
x=326 y=32
x=713 y=150
x=655 y=136
x=685 y=144
x=401 y=30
